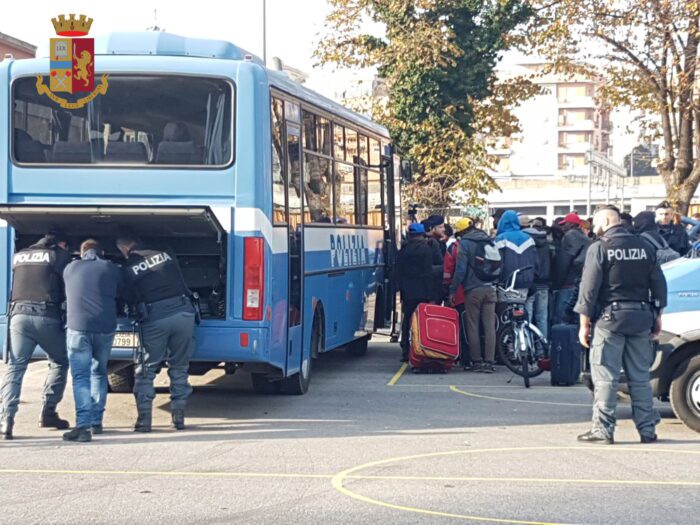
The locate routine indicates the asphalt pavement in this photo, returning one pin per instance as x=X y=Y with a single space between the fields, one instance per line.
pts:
x=367 y=444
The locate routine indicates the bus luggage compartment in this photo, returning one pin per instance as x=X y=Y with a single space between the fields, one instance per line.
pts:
x=191 y=233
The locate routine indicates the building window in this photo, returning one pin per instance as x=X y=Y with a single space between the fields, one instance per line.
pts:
x=572 y=117
x=571 y=160
x=574 y=138
x=573 y=92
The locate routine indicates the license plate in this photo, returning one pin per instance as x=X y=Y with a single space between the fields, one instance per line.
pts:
x=126 y=340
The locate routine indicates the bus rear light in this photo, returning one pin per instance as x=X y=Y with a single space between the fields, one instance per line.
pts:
x=244 y=339
x=253 y=278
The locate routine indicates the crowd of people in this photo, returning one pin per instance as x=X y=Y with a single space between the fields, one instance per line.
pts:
x=460 y=265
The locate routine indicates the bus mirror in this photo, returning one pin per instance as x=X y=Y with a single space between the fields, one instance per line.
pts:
x=406 y=171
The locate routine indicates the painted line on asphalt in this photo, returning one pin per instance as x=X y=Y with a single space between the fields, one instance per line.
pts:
x=287 y=475
x=513 y=400
x=350 y=474
x=398 y=375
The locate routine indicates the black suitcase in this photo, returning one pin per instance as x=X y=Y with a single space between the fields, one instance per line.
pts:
x=565 y=354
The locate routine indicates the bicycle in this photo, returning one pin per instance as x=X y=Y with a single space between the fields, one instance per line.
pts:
x=520 y=344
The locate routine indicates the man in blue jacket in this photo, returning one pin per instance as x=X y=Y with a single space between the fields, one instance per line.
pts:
x=518 y=251
x=92 y=287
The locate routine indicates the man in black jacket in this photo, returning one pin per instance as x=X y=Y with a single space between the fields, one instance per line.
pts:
x=414 y=265
x=674 y=234
x=568 y=264
x=92 y=287
x=538 y=300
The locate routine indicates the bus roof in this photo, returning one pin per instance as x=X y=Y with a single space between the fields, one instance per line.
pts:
x=158 y=43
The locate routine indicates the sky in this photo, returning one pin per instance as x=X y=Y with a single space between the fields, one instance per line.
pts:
x=293 y=28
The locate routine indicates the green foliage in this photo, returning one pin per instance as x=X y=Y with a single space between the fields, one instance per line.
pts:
x=438 y=59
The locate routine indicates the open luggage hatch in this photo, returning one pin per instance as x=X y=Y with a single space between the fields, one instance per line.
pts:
x=192 y=233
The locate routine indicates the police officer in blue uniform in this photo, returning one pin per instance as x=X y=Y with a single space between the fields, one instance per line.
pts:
x=36 y=320
x=167 y=316
x=623 y=291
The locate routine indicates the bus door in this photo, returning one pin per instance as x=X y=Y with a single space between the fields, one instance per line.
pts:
x=296 y=247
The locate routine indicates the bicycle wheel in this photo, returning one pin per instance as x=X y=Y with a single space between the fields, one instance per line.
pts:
x=526 y=369
x=505 y=348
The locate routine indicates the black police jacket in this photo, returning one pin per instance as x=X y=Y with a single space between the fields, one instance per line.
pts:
x=621 y=274
x=152 y=276
x=37 y=274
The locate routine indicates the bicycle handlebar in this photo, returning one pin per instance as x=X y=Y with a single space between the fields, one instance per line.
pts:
x=513 y=276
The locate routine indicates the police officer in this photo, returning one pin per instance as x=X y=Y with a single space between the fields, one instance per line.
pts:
x=624 y=291
x=35 y=320
x=167 y=319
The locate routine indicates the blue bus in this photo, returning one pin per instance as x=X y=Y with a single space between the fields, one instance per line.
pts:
x=281 y=206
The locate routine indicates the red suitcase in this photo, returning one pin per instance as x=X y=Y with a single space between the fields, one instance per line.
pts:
x=434 y=338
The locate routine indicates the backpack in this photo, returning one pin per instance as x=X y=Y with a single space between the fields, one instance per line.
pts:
x=664 y=253
x=485 y=261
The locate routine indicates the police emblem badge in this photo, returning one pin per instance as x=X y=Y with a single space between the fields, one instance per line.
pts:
x=72 y=63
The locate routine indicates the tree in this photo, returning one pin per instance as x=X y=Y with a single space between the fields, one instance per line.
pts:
x=646 y=54
x=438 y=59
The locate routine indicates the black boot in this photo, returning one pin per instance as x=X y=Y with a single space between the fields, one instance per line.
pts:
x=143 y=422
x=80 y=434
x=50 y=419
x=178 y=417
x=6 y=427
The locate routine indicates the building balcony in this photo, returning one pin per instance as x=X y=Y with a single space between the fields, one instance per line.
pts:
x=574 y=147
x=577 y=102
x=579 y=125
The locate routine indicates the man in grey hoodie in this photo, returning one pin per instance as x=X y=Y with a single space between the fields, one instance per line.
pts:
x=479 y=300
x=538 y=300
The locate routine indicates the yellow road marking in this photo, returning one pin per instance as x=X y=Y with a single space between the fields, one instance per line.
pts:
x=285 y=475
x=349 y=474
x=398 y=375
x=513 y=400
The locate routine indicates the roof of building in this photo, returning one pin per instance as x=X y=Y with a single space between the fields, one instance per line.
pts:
x=17 y=43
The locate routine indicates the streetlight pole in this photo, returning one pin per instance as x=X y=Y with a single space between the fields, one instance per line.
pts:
x=264 y=31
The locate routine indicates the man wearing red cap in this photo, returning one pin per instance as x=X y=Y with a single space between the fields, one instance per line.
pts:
x=568 y=264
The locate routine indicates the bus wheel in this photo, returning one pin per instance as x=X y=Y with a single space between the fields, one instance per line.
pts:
x=263 y=385
x=358 y=348
x=685 y=393
x=298 y=384
x=121 y=381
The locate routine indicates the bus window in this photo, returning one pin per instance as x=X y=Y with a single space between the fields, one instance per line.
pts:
x=363 y=153
x=344 y=194
x=142 y=120
x=278 y=180
x=292 y=112
x=361 y=196
x=351 y=151
x=309 y=131
x=374 y=199
x=323 y=136
x=294 y=174
x=338 y=142
x=375 y=152
x=317 y=189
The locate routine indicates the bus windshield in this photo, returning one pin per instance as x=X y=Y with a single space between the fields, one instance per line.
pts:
x=142 y=120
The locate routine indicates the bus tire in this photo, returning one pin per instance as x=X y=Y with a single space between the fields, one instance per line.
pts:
x=298 y=384
x=685 y=393
x=121 y=381
x=263 y=385
x=358 y=348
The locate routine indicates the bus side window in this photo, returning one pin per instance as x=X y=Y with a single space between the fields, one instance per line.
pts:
x=278 y=176
x=338 y=142
x=317 y=188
